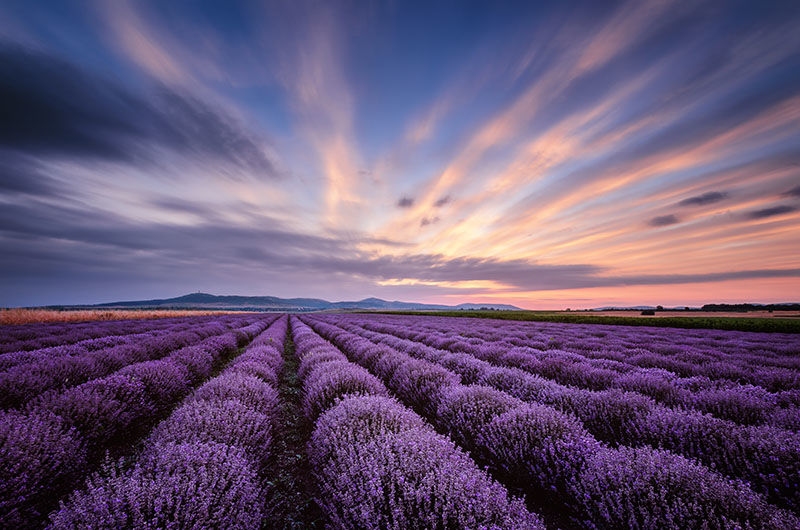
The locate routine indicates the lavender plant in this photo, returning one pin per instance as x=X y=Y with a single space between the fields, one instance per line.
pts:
x=379 y=465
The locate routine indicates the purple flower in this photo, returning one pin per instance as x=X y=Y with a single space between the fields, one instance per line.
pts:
x=182 y=485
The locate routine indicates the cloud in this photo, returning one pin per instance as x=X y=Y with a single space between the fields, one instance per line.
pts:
x=311 y=66
x=141 y=43
x=74 y=244
x=518 y=274
x=198 y=209
x=198 y=129
x=794 y=192
x=429 y=221
x=20 y=175
x=442 y=201
x=706 y=198
x=688 y=134
x=54 y=109
x=405 y=202
x=77 y=236
x=671 y=279
x=771 y=212
x=664 y=220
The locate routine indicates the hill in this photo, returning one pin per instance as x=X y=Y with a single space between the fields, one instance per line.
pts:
x=274 y=303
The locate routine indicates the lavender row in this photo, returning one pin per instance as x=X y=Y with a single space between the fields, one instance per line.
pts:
x=718 y=355
x=721 y=366
x=378 y=465
x=552 y=457
x=768 y=360
x=34 y=336
x=45 y=335
x=23 y=383
x=202 y=466
x=746 y=404
x=22 y=332
x=768 y=458
x=12 y=359
x=700 y=346
x=47 y=448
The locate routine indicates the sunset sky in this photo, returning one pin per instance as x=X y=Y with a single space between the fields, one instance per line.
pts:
x=543 y=154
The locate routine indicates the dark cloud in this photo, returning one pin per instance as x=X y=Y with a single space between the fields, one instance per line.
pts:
x=671 y=279
x=405 y=202
x=794 y=192
x=519 y=273
x=706 y=198
x=771 y=212
x=442 y=201
x=35 y=219
x=74 y=246
x=664 y=220
x=429 y=221
x=198 y=129
x=52 y=108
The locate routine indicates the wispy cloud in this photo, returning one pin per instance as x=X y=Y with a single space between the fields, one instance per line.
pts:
x=589 y=54
x=314 y=74
x=141 y=44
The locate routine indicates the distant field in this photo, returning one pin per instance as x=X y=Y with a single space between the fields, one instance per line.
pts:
x=27 y=316
x=760 y=321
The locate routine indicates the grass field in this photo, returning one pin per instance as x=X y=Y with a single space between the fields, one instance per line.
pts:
x=723 y=322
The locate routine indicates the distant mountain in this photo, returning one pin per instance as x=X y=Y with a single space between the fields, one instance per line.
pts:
x=499 y=307
x=273 y=303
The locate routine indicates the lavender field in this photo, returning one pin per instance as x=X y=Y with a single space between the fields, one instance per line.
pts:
x=389 y=421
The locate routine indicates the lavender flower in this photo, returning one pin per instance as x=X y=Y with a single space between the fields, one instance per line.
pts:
x=186 y=485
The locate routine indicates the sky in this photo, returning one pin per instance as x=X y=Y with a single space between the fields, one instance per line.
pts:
x=543 y=154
